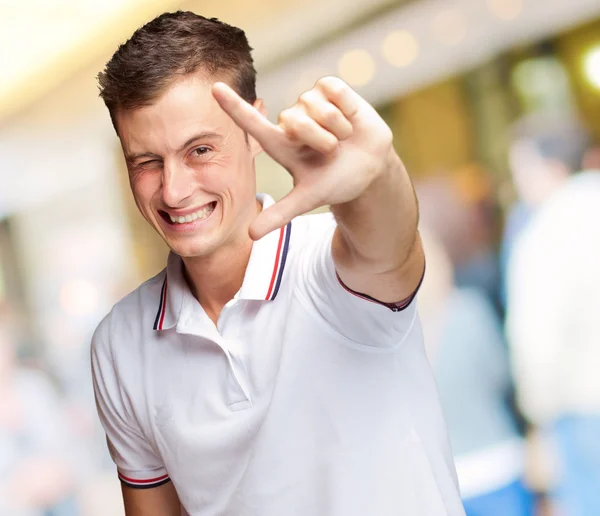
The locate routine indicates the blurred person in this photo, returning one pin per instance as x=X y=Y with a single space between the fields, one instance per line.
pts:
x=276 y=365
x=475 y=188
x=460 y=207
x=554 y=332
x=545 y=150
x=464 y=342
x=35 y=478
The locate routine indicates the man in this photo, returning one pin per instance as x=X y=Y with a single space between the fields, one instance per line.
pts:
x=276 y=366
x=545 y=150
x=554 y=332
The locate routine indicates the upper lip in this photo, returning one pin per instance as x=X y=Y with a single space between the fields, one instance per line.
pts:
x=183 y=213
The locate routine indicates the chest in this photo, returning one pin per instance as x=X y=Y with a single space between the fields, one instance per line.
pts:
x=245 y=414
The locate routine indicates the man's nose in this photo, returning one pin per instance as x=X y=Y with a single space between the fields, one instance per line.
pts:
x=177 y=183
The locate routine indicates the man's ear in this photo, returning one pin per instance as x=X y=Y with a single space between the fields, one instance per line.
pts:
x=256 y=147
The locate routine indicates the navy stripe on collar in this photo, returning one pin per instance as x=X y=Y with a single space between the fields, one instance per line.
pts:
x=284 y=254
x=160 y=315
x=280 y=259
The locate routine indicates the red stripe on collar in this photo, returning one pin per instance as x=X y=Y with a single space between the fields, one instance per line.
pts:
x=276 y=266
x=160 y=316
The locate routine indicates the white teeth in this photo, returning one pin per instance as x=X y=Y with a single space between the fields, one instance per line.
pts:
x=198 y=215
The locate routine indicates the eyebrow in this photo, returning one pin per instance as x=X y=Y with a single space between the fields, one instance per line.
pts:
x=130 y=158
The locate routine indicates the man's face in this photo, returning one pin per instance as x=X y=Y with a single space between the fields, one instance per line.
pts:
x=535 y=177
x=191 y=169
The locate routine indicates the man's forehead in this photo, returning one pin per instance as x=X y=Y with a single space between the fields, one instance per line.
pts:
x=186 y=109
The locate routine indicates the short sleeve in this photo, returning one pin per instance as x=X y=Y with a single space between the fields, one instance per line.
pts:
x=358 y=317
x=137 y=464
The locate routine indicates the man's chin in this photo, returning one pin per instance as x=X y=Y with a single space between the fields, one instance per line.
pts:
x=192 y=249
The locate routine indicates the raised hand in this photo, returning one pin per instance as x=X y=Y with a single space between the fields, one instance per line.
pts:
x=332 y=142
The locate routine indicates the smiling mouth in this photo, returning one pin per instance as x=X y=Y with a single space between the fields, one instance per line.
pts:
x=201 y=214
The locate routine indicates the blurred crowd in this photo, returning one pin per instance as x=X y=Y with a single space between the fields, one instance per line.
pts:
x=52 y=460
x=509 y=308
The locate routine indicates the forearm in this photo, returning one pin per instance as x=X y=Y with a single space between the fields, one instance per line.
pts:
x=378 y=230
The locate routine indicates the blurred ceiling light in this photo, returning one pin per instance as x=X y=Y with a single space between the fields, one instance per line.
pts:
x=46 y=41
x=305 y=81
x=357 y=67
x=505 y=9
x=450 y=27
x=591 y=66
x=78 y=297
x=400 y=48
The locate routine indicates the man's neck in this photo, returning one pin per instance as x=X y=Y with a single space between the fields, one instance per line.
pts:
x=216 y=279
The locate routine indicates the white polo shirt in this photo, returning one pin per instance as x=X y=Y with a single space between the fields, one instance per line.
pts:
x=305 y=399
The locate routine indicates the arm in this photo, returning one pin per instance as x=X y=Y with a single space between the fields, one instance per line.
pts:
x=376 y=247
x=158 y=501
x=339 y=152
x=146 y=486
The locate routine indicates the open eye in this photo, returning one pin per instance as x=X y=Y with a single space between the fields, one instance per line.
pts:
x=200 y=151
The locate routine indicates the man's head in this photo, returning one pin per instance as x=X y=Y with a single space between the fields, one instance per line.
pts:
x=191 y=168
x=170 y=47
x=544 y=151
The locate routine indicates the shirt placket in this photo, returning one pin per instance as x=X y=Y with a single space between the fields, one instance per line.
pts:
x=228 y=328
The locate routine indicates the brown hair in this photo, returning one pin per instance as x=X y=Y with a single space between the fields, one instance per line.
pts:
x=171 y=46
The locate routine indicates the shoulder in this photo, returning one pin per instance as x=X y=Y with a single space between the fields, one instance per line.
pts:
x=471 y=306
x=130 y=315
x=471 y=323
x=556 y=229
x=314 y=223
x=470 y=298
x=309 y=230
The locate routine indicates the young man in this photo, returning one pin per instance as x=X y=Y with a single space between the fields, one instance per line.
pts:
x=276 y=366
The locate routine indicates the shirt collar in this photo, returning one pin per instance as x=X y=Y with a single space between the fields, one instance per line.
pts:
x=262 y=279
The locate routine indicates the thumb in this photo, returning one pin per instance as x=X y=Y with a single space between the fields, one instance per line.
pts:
x=295 y=203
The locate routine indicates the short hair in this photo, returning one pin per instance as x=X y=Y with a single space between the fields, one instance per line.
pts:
x=555 y=136
x=172 y=46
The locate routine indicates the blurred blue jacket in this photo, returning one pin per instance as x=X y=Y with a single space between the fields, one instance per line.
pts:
x=470 y=363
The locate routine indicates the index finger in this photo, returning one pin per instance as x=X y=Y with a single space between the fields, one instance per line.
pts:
x=244 y=115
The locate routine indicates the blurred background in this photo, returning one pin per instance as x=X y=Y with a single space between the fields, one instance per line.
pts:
x=495 y=107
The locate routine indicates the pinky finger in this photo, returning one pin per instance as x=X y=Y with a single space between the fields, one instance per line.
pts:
x=340 y=94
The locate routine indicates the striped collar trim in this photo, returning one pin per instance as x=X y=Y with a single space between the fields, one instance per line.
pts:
x=262 y=280
x=280 y=259
x=160 y=315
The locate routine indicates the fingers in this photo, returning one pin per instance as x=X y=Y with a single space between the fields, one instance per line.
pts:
x=246 y=116
x=323 y=116
x=326 y=114
x=301 y=128
x=336 y=91
x=317 y=121
x=298 y=202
